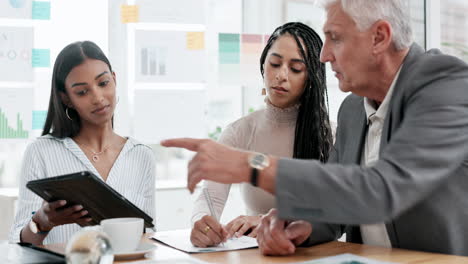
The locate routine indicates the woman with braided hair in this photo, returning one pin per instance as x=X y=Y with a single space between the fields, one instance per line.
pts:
x=295 y=123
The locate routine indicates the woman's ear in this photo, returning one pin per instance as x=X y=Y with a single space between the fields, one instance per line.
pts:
x=65 y=99
x=114 y=77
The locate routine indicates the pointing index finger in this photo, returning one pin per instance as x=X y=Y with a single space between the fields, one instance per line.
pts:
x=191 y=144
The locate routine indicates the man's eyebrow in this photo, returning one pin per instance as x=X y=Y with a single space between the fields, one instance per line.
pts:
x=328 y=31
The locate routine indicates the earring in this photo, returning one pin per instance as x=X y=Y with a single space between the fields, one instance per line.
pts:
x=263 y=91
x=68 y=116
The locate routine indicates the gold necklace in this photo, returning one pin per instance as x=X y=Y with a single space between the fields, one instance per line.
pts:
x=95 y=156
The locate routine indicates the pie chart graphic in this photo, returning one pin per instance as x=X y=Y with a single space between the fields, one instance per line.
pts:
x=17 y=3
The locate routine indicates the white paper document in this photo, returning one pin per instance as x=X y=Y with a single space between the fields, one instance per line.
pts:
x=180 y=239
x=345 y=259
x=170 y=261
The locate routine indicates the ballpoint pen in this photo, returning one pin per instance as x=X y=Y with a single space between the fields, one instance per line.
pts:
x=210 y=206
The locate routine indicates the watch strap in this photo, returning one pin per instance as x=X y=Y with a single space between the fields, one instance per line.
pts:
x=37 y=226
x=254 y=177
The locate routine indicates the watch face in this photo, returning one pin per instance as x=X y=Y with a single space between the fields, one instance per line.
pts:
x=259 y=161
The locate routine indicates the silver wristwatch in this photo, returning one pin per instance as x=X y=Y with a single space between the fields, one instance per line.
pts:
x=257 y=161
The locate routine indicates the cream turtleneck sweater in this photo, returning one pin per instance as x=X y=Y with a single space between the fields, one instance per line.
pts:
x=270 y=130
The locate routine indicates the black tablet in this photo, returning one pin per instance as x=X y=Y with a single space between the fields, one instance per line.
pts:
x=98 y=198
x=26 y=253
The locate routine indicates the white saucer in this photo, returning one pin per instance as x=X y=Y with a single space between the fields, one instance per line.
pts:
x=140 y=252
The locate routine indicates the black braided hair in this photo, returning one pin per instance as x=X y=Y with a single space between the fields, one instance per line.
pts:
x=313 y=136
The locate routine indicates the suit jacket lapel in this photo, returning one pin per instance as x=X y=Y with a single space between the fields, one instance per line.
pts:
x=394 y=118
x=355 y=143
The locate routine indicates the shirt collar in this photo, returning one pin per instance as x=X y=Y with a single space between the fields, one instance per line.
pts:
x=71 y=145
x=370 y=105
x=66 y=140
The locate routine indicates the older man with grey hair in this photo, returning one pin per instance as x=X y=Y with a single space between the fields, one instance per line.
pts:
x=398 y=175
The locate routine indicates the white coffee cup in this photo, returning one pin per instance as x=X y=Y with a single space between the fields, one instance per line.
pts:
x=124 y=233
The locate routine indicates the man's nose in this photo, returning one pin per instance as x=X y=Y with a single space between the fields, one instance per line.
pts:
x=325 y=54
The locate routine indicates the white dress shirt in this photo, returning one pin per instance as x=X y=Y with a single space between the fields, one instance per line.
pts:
x=375 y=234
x=132 y=175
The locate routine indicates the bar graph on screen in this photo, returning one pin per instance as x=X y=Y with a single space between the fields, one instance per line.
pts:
x=153 y=61
x=15 y=113
x=9 y=132
x=170 y=56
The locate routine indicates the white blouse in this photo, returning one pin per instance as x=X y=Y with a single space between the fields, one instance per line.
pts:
x=132 y=175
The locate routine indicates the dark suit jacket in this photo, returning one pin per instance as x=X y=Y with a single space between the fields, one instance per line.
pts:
x=419 y=185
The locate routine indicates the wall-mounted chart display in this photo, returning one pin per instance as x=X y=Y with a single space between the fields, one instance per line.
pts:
x=239 y=58
x=15 y=112
x=229 y=51
x=16 y=45
x=170 y=56
x=251 y=47
x=16 y=9
x=162 y=114
x=38 y=119
x=163 y=11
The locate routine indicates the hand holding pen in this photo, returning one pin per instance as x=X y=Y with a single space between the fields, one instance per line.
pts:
x=208 y=231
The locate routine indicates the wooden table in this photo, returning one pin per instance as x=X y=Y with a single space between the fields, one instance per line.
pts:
x=163 y=252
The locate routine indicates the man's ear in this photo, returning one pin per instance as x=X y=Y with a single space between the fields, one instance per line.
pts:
x=382 y=36
x=66 y=99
